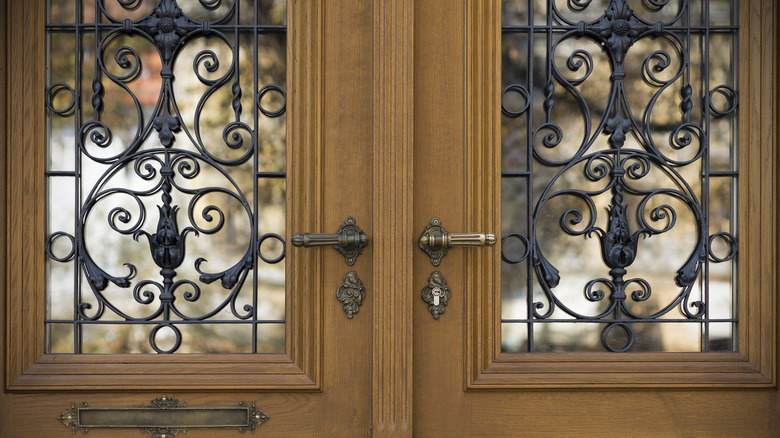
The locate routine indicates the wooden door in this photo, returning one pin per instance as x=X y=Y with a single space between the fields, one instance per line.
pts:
x=320 y=385
x=464 y=384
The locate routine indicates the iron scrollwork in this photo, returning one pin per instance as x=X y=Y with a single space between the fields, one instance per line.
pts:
x=183 y=171
x=623 y=171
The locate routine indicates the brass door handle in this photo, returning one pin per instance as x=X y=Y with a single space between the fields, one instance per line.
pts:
x=435 y=240
x=349 y=240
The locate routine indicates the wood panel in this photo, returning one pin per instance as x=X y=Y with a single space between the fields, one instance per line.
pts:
x=344 y=407
x=440 y=112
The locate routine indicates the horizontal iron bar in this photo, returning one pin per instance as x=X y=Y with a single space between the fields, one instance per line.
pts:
x=61 y=173
x=515 y=173
x=86 y=27
x=173 y=321
x=610 y=321
x=566 y=28
x=272 y=174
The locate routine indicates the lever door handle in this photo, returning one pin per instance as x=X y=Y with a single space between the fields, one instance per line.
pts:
x=349 y=240
x=435 y=240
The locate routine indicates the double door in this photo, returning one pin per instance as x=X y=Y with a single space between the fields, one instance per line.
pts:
x=395 y=122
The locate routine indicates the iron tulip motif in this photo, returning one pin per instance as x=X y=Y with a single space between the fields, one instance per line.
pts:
x=618 y=246
x=167 y=245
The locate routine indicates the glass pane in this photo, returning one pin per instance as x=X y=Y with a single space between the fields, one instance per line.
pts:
x=270 y=338
x=619 y=175
x=166 y=176
x=60 y=338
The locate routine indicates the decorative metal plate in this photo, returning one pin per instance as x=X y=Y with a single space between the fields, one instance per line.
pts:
x=351 y=293
x=431 y=241
x=436 y=294
x=352 y=240
x=163 y=417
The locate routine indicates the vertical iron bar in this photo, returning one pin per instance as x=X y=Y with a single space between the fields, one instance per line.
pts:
x=706 y=176
x=77 y=180
x=530 y=229
x=256 y=145
x=49 y=178
x=734 y=152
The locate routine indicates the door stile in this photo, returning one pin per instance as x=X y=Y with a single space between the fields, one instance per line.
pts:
x=305 y=155
x=483 y=159
x=3 y=196
x=393 y=233
x=23 y=181
x=758 y=339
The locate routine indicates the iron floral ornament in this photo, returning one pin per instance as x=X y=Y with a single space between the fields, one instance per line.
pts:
x=168 y=25
x=618 y=30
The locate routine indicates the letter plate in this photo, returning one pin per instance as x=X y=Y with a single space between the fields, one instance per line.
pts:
x=163 y=417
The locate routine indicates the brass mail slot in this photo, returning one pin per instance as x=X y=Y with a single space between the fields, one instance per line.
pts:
x=164 y=417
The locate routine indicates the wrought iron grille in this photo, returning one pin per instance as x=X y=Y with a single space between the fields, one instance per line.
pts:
x=166 y=176
x=619 y=170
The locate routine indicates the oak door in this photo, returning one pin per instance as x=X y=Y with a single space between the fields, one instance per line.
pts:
x=465 y=383
x=318 y=384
